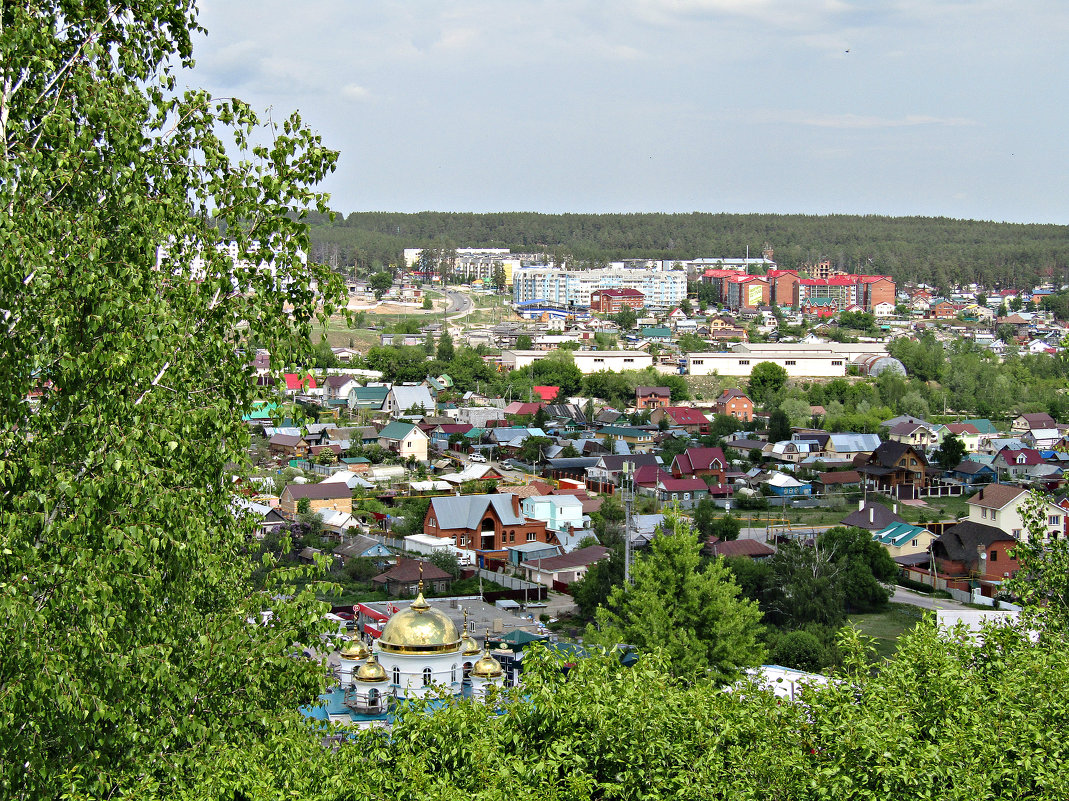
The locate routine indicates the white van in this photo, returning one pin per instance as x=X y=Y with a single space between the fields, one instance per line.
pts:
x=477 y=457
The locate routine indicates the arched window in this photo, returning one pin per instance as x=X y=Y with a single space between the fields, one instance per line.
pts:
x=454 y=679
x=372 y=697
x=397 y=675
x=426 y=677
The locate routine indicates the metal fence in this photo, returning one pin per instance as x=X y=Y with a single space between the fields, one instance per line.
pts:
x=511 y=582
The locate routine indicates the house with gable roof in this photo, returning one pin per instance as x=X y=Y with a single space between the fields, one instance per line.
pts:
x=486 y=524
x=895 y=464
x=409 y=399
x=1023 y=463
x=734 y=403
x=407 y=440
x=687 y=418
x=652 y=397
x=1000 y=505
x=904 y=539
x=1026 y=422
x=698 y=462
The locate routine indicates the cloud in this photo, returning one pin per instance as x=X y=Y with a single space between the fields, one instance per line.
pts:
x=354 y=91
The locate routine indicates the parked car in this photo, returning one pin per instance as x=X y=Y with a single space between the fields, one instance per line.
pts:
x=477 y=457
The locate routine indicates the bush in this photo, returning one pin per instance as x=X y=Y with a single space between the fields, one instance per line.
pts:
x=798 y=649
x=920 y=586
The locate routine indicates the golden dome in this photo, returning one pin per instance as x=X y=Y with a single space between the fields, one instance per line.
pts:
x=370 y=671
x=487 y=667
x=419 y=629
x=468 y=645
x=355 y=649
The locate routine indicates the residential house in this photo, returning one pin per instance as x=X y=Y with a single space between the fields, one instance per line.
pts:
x=334 y=496
x=605 y=475
x=686 y=492
x=442 y=433
x=973 y=472
x=734 y=403
x=1042 y=438
x=967 y=433
x=895 y=464
x=685 y=417
x=904 y=539
x=483 y=523
x=792 y=451
x=404 y=578
x=547 y=394
x=785 y=486
x=848 y=446
x=409 y=399
x=370 y=398
x=1022 y=463
x=839 y=480
x=975 y=551
x=638 y=439
x=291 y=446
x=298 y=384
x=1000 y=505
x=1026 y=422
x=872 y=517
x=338 y=387
x=751 y=549
x=918 y=435
x=405 y=439
x=565 y=569
x=652 y=397
x=698 y=462
x=562 y=514
x=362 y=547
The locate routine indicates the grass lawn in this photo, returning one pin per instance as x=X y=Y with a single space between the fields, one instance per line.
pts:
x=934 y=509
x=887 y=627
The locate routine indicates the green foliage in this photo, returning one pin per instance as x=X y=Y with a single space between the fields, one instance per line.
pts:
x=779 y=426
x=950 y=452
x=129 y=659
x=710 y=522
x=446 y=351
x=524 y=342
x=380 y=283
x=798 y=649
x=690 y=610
x=691 y=343
x=625 y=318
x=593 y=589
x=447 y=561
x=766 y=381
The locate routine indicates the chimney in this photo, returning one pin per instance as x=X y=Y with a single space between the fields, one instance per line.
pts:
x=861 y=505
x=515 y=504
x=894 y=508
x=872 y=515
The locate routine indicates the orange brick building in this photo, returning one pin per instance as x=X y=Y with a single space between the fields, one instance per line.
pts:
x=610 y=301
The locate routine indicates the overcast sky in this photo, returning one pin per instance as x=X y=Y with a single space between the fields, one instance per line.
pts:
x=955 y=108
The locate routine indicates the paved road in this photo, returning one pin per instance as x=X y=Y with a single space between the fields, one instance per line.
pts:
x=904 y=596
x=459 y=304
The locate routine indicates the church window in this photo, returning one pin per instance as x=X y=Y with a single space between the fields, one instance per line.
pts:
x=454 y=678
x=397 y=675
x=426 y=677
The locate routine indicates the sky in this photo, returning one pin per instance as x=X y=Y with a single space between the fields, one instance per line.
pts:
x=955 y=108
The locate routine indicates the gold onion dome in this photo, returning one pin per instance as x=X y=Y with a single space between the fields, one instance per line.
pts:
x=370 y=671
x=468 y=645
x=355 y=650
x=420 y=629
x=487 y=667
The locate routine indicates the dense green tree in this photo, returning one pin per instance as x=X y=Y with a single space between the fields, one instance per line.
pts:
x=766 y=380
x=593 y=590
x=524 y=342
x=950 y=452
x=779 y=426
x=690 y=610
x=625 y=318
x=446 y=351
x=691 y=343
x=126 y=598
x=380 y=283
x=866 y=567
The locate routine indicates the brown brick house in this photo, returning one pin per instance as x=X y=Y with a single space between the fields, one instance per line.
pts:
x=334 y=495
x=485 y=523
x=734 y=403
x=652 y=397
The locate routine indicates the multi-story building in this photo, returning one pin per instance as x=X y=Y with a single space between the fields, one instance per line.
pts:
x=661 y=289
x=610 y=301
x=782 y=286
x=746 y=292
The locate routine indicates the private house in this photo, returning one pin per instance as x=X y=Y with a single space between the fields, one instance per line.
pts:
x=559 y=512
x=975 y=551
x=904 y=539
x=872 y=517
x=297 y=384
x=283 y=446
x=973 y=472
x=918 y=435
x=1022 y=463
x=967 y=433
x=895 y=464
x=839 y=480
x=604 y=476
x=409 y=399
x=371 y=399
x=686 y=492
x=785 y=486
x=565 y=569
x=751 y=549
x=652 y=397
x=846 y=447
x=638 y=439
x=610 y=301
x=405 y=439
x=700 y=463
x=1000 y=505
x=545 y=393
x=685 y=417
x=483 y=523
x=1026 y=422
x=362 y=547
x=441 y=434
x=338 y=387
x=793 y=451
x=734 y=403
x=403 y=579
x=334 y=496
x=1042 y=438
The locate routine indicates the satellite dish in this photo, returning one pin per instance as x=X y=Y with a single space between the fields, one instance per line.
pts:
x=983 y=555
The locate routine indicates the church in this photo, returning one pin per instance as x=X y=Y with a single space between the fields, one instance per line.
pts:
x=419 y=654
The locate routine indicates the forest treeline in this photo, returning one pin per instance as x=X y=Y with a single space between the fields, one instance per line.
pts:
x=936 y=250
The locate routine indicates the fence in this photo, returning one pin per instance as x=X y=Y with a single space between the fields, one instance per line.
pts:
x=510 y=582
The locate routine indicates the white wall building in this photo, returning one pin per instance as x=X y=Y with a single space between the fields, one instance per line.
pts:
x=588 y=361
x=662 y=288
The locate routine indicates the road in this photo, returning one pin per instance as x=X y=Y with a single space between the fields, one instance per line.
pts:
x=460 y=305
x=904 y=596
